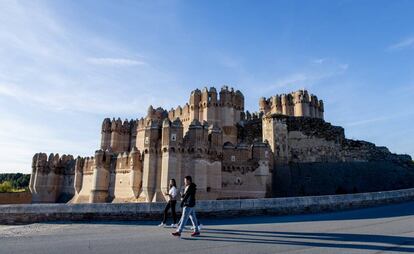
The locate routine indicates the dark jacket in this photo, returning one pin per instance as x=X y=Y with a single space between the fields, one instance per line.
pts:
x=189 y=199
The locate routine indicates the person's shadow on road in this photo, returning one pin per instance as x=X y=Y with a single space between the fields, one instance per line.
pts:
x=326 y=240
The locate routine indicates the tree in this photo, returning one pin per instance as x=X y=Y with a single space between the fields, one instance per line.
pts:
x=6 y=186
x=17 y=180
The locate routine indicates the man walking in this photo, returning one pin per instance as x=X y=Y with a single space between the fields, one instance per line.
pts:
x=187 y=203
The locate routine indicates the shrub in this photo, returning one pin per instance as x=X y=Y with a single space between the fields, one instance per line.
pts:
x=6 y=186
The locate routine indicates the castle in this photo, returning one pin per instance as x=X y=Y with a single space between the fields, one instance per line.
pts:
x=229 y=152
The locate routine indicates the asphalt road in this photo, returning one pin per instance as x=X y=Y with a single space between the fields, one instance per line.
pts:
x=387 y=229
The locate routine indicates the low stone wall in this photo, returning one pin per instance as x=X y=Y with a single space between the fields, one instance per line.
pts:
x=15 y=197
x=17 y=214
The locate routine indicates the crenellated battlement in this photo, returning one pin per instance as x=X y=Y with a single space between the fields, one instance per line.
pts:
x=127 y=161
x=51 y=177
x=299 y=103
x=41 y=163
x=222 y=109
x=117 y=135
x=209 y=97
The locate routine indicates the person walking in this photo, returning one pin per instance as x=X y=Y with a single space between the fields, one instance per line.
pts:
x=188 y=202
x=172 y=196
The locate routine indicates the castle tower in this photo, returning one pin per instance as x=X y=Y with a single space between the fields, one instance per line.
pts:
x=321 y=109
x=39 y=177
x=33 y=174
x=313 y=106
x=231 y=108
x=263 y=105
x=78 y=174
x=204 y=98
x=301 y=103
x=140 y=136
x=216 y=139
x=136 y=171
x=277 y=104
x=54 y=176
x=238 y=106
x=213 y=97
x=262 y=153
x=150 y=165
x=101 y=177
x=172 y=137
x=204 y=105
x=195 y=99
x=106 y=134
x=125 y=135
x=116 y=135
x=275 y=132
x=196 y=144
x=225 y=96
x=197 y=136
x=285 y=102
x=150 y=112
x=287 y=105
x=133 y=129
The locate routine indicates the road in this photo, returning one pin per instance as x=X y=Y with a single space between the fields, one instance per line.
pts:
x=386 y=229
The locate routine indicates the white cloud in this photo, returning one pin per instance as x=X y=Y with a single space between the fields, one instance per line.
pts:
x=61 y=99
x=344 y=67
x=406 y=43
x=293 y=79
x=20 y=143
x=114 y=61
x=310 y=75
x=369 y=119
x=319 y=60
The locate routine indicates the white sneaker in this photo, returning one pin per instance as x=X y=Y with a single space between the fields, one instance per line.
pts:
x=173 y=225
x=199 y=227
x=162 y=225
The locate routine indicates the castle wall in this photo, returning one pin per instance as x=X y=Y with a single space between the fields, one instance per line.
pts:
x=325 y=178
x=127 y=177
x=297 y=139
x=246 y=171
x=85 y=192
x=206 y=175
x=304 y=148
x=140 y=140
x=83 y=179
x=322 y=161
x=67 y=187
x=123 y=191
x=51 y=178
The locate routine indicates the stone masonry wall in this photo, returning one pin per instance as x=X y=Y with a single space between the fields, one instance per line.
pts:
x=16 y=198
x=18 y=214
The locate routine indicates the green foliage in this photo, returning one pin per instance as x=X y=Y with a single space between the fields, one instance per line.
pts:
x=17 y=181
x=6 y=186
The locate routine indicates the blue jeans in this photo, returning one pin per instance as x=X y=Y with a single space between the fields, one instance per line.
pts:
x=187 y=212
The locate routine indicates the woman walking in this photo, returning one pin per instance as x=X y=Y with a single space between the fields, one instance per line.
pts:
x=172 y=195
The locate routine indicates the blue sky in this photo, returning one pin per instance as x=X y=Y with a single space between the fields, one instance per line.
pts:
x=65 y=65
